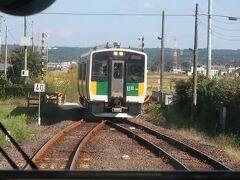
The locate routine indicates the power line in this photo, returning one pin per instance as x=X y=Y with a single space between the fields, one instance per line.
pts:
x=116 y=14
x=224 y=22
x=219 y=15
x=222 y=28
x=233 y=36
x=219 y=35
x=133 y=14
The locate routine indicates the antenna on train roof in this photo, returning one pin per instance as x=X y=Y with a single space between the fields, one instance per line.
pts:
x=107 y=45
x=116 y=45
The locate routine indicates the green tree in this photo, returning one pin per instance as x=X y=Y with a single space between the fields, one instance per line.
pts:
x=33 y=65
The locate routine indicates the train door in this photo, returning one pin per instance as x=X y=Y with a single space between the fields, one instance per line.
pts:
x=117 y=80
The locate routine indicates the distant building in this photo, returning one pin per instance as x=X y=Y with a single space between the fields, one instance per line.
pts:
x=178 y=71
x=2 y=67
x=216 y=70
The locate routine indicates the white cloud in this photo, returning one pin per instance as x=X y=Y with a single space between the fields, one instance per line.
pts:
x=61 y=33
x=64 y=33
x=148 y=5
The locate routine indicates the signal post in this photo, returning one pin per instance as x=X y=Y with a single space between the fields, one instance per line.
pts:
x=40 y=87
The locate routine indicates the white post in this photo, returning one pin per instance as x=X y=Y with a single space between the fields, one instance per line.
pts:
x=209 y=39
x=25 y=47
x=39 y=109
x=6 y=53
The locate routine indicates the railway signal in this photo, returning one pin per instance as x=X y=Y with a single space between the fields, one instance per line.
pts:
x=40 y=87
x=142 y=40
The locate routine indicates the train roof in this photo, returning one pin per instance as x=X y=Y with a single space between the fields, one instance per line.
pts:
x=104 y=49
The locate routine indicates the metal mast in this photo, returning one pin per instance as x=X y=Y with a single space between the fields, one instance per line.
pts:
x=209 y=39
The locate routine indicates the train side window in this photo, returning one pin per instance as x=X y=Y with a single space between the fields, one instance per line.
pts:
x=84 y=71
x=80 y=71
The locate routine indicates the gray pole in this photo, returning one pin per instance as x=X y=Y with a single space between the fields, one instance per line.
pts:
x=162 y=56
x=195 y=61
x=32 y=38
x=25 y=47
x=6 y=52
x=209 y=39
x=1 y=34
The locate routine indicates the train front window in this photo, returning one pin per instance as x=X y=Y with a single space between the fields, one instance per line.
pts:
x=99 y=70
x=135 y=71
x=117 y=71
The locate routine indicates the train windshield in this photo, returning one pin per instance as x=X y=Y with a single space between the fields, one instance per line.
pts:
x=135 y=71
x=99 y=70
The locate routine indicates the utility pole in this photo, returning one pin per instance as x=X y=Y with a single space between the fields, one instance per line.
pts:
x=1 y=34
x=162 y=56
x=209 y=39
x=25 y=47
x=175 y=53
x=6 y=53
x=32 y=38
x=195 y=61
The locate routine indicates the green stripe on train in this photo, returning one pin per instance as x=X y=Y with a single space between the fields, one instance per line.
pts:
x=102 y=88
x=132 y=89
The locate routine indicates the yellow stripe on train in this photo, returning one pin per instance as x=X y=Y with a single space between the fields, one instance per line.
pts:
x=94 y=87
x=140 y=89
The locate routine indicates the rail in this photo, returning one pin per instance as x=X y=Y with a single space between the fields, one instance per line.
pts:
x=155 y=149
x=194 y=152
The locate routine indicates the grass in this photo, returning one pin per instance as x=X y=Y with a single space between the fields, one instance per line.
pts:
x=16 y=121
x=64 y=82
x=168 y=81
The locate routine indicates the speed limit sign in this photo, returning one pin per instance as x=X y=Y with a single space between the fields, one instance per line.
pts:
x=38 y=87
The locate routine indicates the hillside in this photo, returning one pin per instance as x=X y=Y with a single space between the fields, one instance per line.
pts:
x=185 y=56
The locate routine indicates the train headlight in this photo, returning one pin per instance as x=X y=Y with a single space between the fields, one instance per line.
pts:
x=115 y=53
x=120 y=53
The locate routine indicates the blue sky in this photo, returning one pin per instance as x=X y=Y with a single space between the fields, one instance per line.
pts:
x=85 y=31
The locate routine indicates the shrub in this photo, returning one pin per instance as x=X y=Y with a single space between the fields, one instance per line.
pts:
x=211 y=96
x=157 y=114
x=9 y=90
x=18 y=128
x=4 y=85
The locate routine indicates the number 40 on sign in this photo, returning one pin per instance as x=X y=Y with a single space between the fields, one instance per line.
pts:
x=38 y=87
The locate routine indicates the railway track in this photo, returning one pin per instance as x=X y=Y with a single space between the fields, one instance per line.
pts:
x=55 y=155
x=179 y=155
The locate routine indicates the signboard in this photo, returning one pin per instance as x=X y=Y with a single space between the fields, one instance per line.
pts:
x=168 y=99
x=38 y=87
x=25 y=73
x=25 y=41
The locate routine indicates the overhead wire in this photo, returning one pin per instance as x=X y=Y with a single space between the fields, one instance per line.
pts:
x=219 y=35
x=218 y=32
x=219 y=27
x=115 y=14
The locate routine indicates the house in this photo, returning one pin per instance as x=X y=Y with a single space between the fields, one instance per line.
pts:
x=2 y=67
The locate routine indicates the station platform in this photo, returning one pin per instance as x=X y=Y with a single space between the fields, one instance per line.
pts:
x=69 y=106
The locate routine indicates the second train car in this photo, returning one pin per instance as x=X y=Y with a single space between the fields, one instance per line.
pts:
x=112 y=81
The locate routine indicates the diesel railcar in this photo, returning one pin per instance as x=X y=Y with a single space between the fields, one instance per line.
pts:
x=112 y=81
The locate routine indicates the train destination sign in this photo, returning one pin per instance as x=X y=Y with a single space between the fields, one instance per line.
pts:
x=38 y=87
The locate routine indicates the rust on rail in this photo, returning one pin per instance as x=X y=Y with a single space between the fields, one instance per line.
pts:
x=53 y=140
